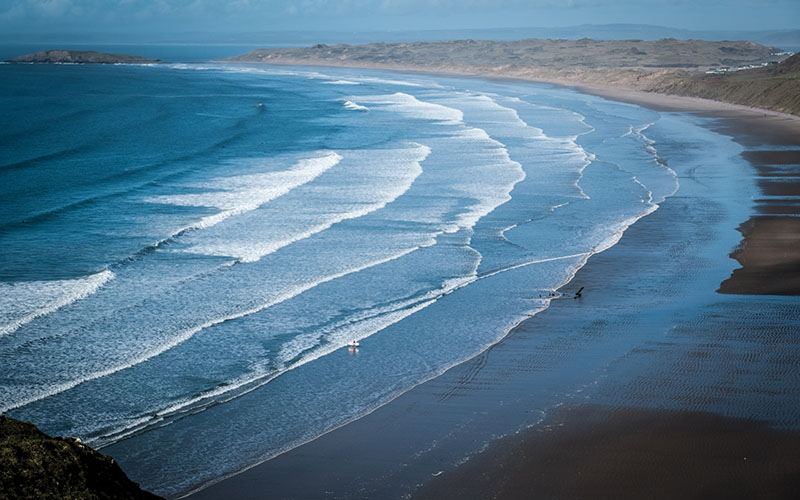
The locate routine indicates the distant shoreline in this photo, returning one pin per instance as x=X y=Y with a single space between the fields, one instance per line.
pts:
x=653 y=100
x=693 y=68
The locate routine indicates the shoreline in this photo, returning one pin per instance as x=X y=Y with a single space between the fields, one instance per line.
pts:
x=334 y=455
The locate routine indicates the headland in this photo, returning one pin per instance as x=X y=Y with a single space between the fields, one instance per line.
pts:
x=81 y=57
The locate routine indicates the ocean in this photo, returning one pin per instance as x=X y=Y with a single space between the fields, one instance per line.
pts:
x=189 y=248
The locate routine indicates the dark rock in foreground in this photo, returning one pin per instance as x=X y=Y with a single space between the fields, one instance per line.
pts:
x=81 y=57
x=34 y=465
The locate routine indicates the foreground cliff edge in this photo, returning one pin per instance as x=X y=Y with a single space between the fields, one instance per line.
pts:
x=80 y=57
x=35 y=465
x=743 y=73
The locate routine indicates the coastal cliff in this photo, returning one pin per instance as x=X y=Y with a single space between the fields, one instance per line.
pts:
x=775 y=87
x=81 y=57
x=35 y=465
x=739 y=72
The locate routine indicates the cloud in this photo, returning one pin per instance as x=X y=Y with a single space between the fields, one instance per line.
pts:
x=231 y=15
x=54 y=7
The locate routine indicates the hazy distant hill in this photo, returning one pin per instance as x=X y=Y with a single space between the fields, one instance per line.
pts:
x=785 y=39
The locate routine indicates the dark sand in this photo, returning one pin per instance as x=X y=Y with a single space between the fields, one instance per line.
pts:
x=770 y=252
x=655 y=371
x=598 y=452
x=770 y=255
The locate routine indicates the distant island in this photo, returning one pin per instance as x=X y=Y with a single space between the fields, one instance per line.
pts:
x=81 y=57
x=738 y=72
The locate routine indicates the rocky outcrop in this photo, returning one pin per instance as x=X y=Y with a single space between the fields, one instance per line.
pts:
x=34 y=465
x=81 y=57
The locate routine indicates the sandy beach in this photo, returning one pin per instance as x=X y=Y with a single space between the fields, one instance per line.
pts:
x=601 y=452
x=701 y=398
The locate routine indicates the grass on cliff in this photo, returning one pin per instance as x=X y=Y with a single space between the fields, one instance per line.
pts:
x=34 y=465
x=775 y=87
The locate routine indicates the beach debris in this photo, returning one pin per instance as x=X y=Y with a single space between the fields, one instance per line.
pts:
x=578 y=293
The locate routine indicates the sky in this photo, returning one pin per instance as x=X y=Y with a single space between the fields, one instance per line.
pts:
x=149 y=17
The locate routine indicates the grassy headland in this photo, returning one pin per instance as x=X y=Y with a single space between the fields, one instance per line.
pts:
x=667 y=66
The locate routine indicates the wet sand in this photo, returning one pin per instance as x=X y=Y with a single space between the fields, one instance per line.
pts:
x=598 y=452
x=652 y=364
x=770 y=250
x=769 y=253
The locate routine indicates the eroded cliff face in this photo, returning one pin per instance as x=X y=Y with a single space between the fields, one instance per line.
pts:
x=34 y=465
x=81 y=57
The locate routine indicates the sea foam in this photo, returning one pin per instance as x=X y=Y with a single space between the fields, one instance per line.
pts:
x=245 y=193
x=368 y=189
x=355 y=107
x=22 y=302
x=473 y=165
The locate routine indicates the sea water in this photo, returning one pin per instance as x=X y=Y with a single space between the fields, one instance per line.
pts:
x=188 y=249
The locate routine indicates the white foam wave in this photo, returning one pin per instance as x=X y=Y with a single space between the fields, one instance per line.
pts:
x=386 y=81
x=510 y=116
x=249 y=251
x=341 y=82
x=21 y=303
x=582 y=255
x=579 y=118
x=184 y=335
x=562 y=144
x=245 y=193
x=411 y=107
x=260 y=376
x=361 y=326
x=237 y=68
x=480 y=167
x=394 y=182
x=303 y=349
x=649 y=146
x=233 y=69
x=354 y=106
x=299 y=350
